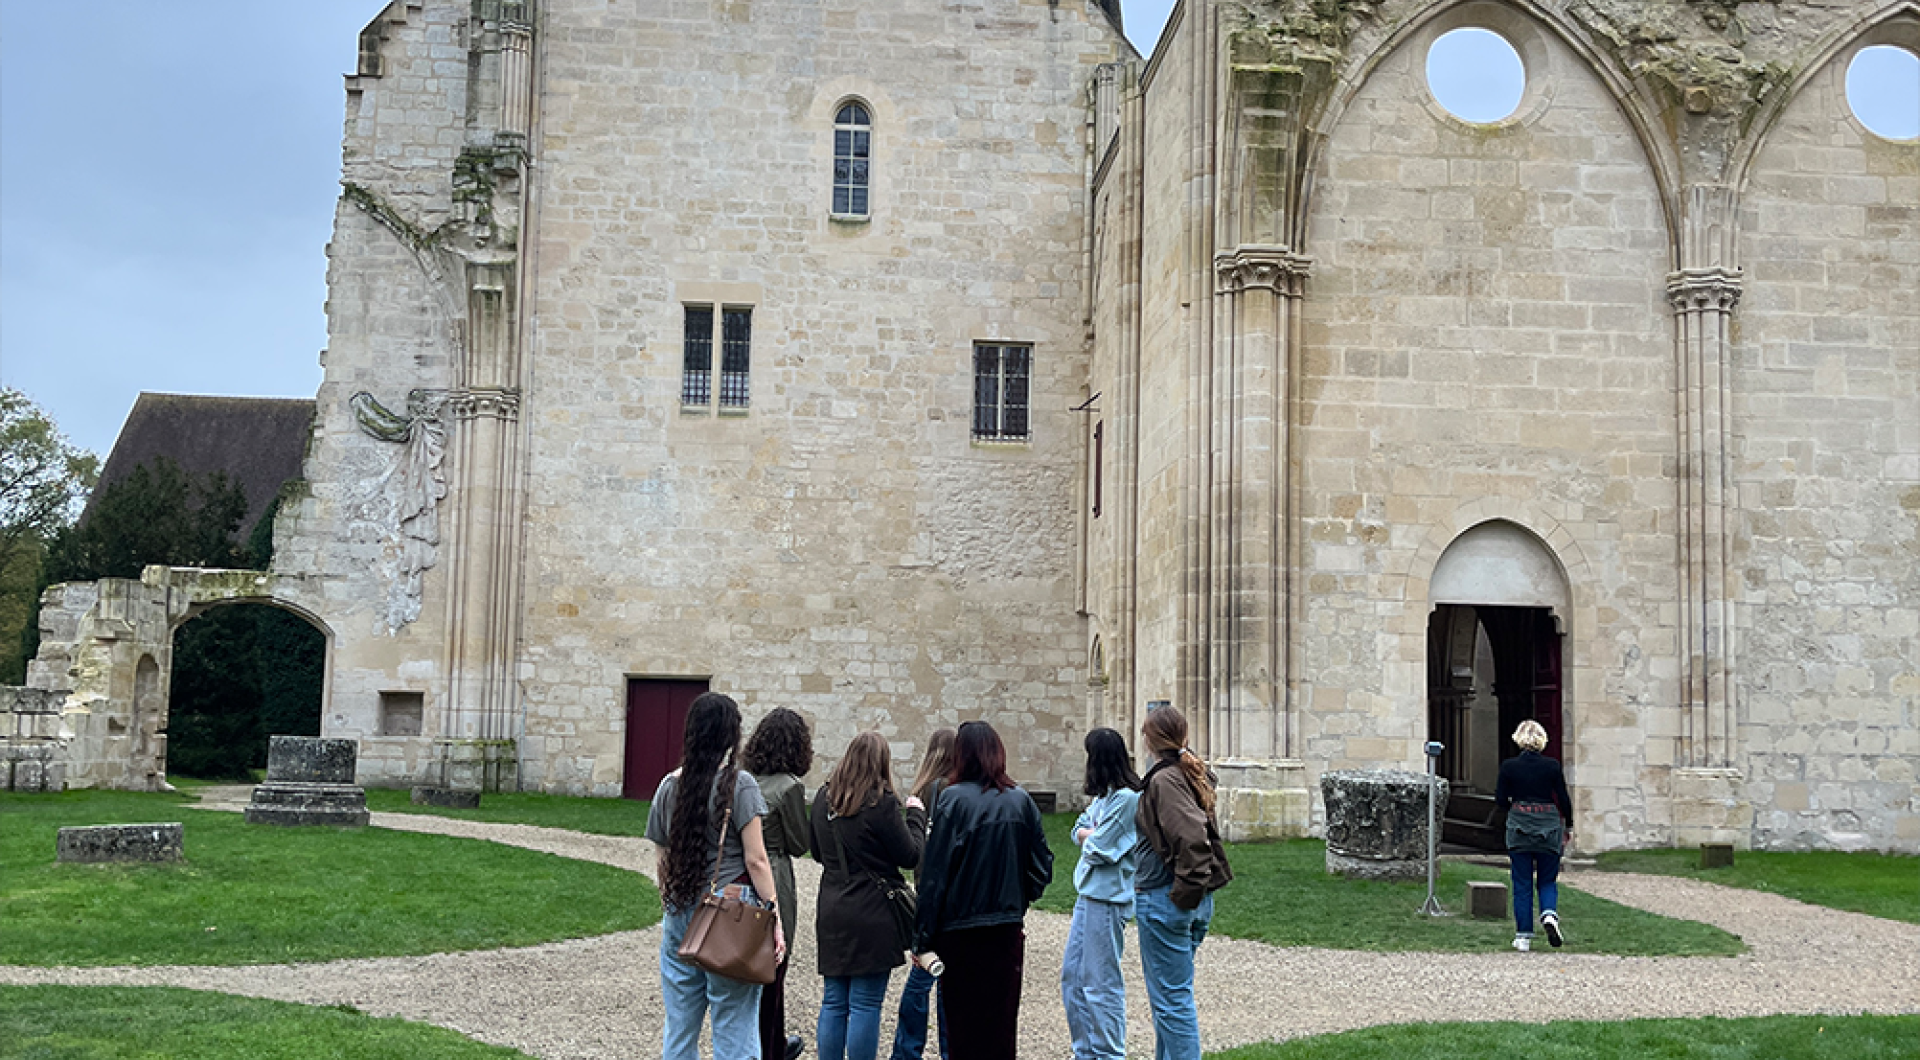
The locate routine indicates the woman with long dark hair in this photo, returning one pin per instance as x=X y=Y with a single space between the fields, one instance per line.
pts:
x=692 y=851
x=1091 y=983
x=987 y=861
x=779 y=754
x=862 y=842
x=1181 y=863
x=910 y=1026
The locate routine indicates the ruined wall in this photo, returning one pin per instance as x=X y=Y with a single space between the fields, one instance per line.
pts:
x=1827 y=461
x=841 y=547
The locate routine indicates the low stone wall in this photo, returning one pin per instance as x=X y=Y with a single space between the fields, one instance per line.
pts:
x=135 y=843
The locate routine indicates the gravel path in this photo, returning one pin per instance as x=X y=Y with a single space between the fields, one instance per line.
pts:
x=599 y=998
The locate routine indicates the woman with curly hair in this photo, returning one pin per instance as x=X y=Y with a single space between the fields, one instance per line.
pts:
x=694 y=850
x=779 y=753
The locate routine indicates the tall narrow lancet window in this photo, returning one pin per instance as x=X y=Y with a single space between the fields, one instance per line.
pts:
x=852 y=154
x=696 y=377
x=736 y=340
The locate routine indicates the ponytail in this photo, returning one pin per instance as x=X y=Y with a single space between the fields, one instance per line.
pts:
x=1166 y=733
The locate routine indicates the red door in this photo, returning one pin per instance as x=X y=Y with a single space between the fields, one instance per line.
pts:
x=1546 y=681
x=656 y=720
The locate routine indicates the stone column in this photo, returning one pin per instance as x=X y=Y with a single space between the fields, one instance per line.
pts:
x=1707 y=788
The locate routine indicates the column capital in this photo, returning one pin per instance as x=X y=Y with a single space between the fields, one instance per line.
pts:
x=1699 y=289
x=1275 y=268
x=496 y=402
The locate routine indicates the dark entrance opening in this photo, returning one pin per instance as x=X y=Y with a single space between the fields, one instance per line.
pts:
x=1488 y=669
x=241 y=673
x=656 y=722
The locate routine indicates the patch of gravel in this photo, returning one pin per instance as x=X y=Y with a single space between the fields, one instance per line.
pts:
x=599 y=998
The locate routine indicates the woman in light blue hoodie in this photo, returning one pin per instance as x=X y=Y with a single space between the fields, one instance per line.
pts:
x=1091 y=984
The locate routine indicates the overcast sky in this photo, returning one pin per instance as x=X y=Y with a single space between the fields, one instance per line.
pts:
x=168 y=173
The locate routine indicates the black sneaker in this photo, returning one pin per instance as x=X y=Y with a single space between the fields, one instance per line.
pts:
x=795 y=1046
x=1551 y=924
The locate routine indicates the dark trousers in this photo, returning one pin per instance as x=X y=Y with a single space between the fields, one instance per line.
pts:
x=773 y=1014
x=982 y=988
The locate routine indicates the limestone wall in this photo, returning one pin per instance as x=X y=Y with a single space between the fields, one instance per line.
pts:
x=1827 y=461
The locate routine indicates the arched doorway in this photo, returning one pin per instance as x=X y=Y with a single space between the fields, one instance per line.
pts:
x=241 y=672
x=1500 y=602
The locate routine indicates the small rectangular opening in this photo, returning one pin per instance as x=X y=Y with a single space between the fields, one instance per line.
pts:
x=401 y=713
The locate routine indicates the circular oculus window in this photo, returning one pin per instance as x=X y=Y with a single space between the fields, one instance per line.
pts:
x=1476 y=75
x=1883 y=91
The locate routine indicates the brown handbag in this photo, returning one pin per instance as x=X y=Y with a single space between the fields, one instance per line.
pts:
x=728 y=935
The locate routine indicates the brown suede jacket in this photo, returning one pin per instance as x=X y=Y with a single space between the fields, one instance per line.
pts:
x=1184 y=835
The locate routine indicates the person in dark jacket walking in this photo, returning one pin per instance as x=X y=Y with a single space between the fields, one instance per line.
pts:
x=1181 y=863
x=860 y=838
x=779 y=753
x=986 y=861
x=910 y=1027
x=1533 y=791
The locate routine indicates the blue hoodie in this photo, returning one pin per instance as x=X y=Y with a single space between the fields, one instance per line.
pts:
x=1105 y=871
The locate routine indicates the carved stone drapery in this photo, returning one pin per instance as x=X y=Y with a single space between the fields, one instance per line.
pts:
x=403 y=503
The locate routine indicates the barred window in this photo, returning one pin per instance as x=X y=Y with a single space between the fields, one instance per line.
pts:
x=1000 y=384
x=696 y=378
x=852 y=154
x=736 y=338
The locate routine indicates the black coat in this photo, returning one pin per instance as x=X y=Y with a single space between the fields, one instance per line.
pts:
x=986 y=862
x=853 y=925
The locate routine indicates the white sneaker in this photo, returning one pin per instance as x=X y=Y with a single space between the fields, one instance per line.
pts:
x=1523 y=943
x=1551 y=923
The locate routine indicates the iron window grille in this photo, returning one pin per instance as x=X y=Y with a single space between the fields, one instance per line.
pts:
x=736 y=340
x=1001 y=376
x=696 y=378
x=852 y=157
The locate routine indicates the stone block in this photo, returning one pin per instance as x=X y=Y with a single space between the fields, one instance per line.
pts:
x=133 y=843
x=311 y=760
x=341 y=805
x=1710 y=806
x=1716 y=855
x=1377 y=822
x=446 y=798
x=1262 y=800
x=1486 y=900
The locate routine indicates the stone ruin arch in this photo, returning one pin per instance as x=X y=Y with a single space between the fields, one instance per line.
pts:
x=94 y=709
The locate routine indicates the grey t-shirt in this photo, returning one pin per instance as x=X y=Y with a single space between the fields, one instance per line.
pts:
x=747 y=805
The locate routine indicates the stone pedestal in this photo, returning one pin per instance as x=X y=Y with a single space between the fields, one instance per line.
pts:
x=474 y=766
x=309 y=782
x=1710 y=806
x=1486 y=900
x=1262 y=799
x=135 y=843
x=1377 y=822
x=446 y=798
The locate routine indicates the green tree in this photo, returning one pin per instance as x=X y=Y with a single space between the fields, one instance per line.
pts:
x=156 y=514
x=43 y=480
x=241 y=673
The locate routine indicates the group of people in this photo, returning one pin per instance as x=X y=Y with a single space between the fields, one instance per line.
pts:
x=1150 y=851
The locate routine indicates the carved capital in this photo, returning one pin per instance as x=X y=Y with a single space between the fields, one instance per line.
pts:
x=1275 y=268
x=495 y=402
x=1698 y=290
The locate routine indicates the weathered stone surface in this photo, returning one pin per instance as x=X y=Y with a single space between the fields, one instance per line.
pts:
x=1262 y=800
x=121 y=842
x=1486 y=900
x=446 y=797
x=1716 y=855
x=308 y=804
x=310 y=760
x=1377 y=821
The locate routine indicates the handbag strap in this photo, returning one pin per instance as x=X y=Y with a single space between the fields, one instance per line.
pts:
x=720 y=850
x=840 y=850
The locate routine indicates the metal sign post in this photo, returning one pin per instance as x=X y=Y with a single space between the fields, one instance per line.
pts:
x=1432 y=904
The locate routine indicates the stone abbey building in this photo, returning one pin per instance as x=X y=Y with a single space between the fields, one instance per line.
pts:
x=913 y=362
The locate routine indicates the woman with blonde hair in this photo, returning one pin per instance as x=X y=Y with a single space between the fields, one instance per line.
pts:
x=1533 y=791
x=910 y=1026
x=1181 y=863
x=859 y=837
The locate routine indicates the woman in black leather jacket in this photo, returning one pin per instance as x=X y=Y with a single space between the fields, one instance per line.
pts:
x=986 y=861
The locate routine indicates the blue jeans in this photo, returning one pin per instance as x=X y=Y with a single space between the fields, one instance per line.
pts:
x=1527 y=868
x=1091 y=984
x=691 y=993
x=910 y=1031
x=1169 y=937
x=850 y=1016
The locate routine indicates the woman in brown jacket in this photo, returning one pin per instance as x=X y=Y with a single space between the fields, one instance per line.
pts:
x=1182 y=862
x=860 y=839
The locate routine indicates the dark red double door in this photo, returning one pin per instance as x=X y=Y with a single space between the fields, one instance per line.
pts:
x=656 y=721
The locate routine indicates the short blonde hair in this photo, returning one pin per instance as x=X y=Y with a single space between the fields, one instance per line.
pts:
x=1530 y=736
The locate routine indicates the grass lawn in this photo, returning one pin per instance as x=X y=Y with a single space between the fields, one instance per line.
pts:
x=159 y=1023
x=1281 y=894
x=622 y=817
x=1884 y=885
x=1762 y=1038
x=250 y=894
